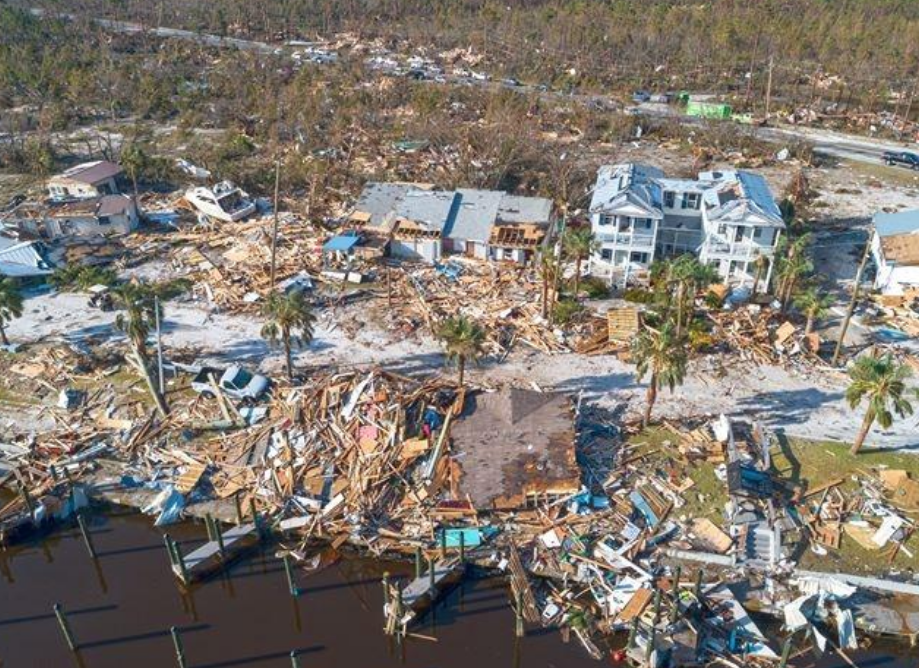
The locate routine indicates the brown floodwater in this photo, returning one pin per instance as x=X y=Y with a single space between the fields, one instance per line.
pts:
x=121 y=607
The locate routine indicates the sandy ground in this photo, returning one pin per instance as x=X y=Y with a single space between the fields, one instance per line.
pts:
x=809 y=405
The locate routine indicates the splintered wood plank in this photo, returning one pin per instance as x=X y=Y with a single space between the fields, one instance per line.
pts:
x=190 y=477
x=636 y=605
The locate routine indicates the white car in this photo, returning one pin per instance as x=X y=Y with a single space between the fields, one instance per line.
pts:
x=224 y=202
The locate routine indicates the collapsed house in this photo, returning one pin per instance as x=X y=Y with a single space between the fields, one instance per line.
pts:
x=93 y=216
x=83 y=201
x=23 y=260
x=422 y=223
x=728 y=218
x=895 y=250
x=86 y=180
x=516 y=448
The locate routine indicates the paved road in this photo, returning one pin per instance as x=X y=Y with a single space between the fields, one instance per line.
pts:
x=833 y=144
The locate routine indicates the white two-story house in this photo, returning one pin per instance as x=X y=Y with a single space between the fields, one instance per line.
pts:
x=742 y=223
x=625 y=212
x=728 y=219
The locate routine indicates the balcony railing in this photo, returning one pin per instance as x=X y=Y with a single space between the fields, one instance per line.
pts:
x=736 y=249
x=626 y=239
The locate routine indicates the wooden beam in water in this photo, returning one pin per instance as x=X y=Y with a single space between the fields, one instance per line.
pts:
x=210 y=557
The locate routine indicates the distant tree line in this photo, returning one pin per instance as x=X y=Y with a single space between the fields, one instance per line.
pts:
x=871 y=45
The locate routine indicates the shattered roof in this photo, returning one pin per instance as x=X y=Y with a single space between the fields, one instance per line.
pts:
x=20 y=259
x=379 y=200
x=631 y=185
x=466 y=213
x=90 y=172
x=514 y=442
x=432 y=209
x=106 y=205
x=741 y=197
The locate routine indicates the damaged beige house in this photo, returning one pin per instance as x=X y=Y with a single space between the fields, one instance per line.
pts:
x=83 y=201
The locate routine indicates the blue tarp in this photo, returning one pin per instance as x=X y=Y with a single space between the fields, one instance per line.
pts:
x=639 y=502
x=472 y=536
x=340 y=243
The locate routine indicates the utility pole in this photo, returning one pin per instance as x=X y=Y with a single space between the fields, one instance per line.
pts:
x=851 y=309
x=274 y=231
x=769 y=90
x=159 y=346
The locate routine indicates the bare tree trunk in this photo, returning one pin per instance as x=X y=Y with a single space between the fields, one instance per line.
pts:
x=651 y=397
x=158 y=398
x=679 y=309
x=6 y=341
x=577 y=277
x=809 y=325
x=462 y=369
x=759 y=276
x=288 y=357
x=863 y=432
x=851 y=309
x=545 y=294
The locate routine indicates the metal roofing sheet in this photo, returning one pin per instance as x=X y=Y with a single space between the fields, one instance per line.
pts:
x=901 y=222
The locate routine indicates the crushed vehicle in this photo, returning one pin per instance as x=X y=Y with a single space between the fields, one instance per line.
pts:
x=100 y=297
x=235 y=382
x=224 y=201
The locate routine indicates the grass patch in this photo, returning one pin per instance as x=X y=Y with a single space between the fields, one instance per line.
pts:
x=706 y=498
x=800 y=465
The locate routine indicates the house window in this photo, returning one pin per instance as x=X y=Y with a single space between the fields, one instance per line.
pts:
x=105 y=220
x=691 y=201
x=669 y=198
x=605 y=220
x=639 y=258
x=606 y=254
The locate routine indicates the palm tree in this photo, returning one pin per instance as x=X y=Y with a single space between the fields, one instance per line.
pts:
x=10 y=305
x=578 y=244
x=690 y=277
x=883 y=382
x=290 y=321
x=463 y=339
x=792 y=264
x=139 y=302
x=662 y=354
x=548 y=268
x=814 y=305
x=678 y=282
x=134 y=159
x=761 y=263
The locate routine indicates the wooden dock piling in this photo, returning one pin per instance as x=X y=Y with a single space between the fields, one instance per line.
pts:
x=65 y=627
x=177 y=643
x=215 y=554
x=87 y=539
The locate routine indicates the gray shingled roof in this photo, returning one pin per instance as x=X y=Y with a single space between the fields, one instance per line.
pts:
x=475 y=215
x=429 y=208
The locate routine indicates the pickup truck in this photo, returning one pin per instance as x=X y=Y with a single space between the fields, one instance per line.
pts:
x=236 y=383
x=904 y=158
